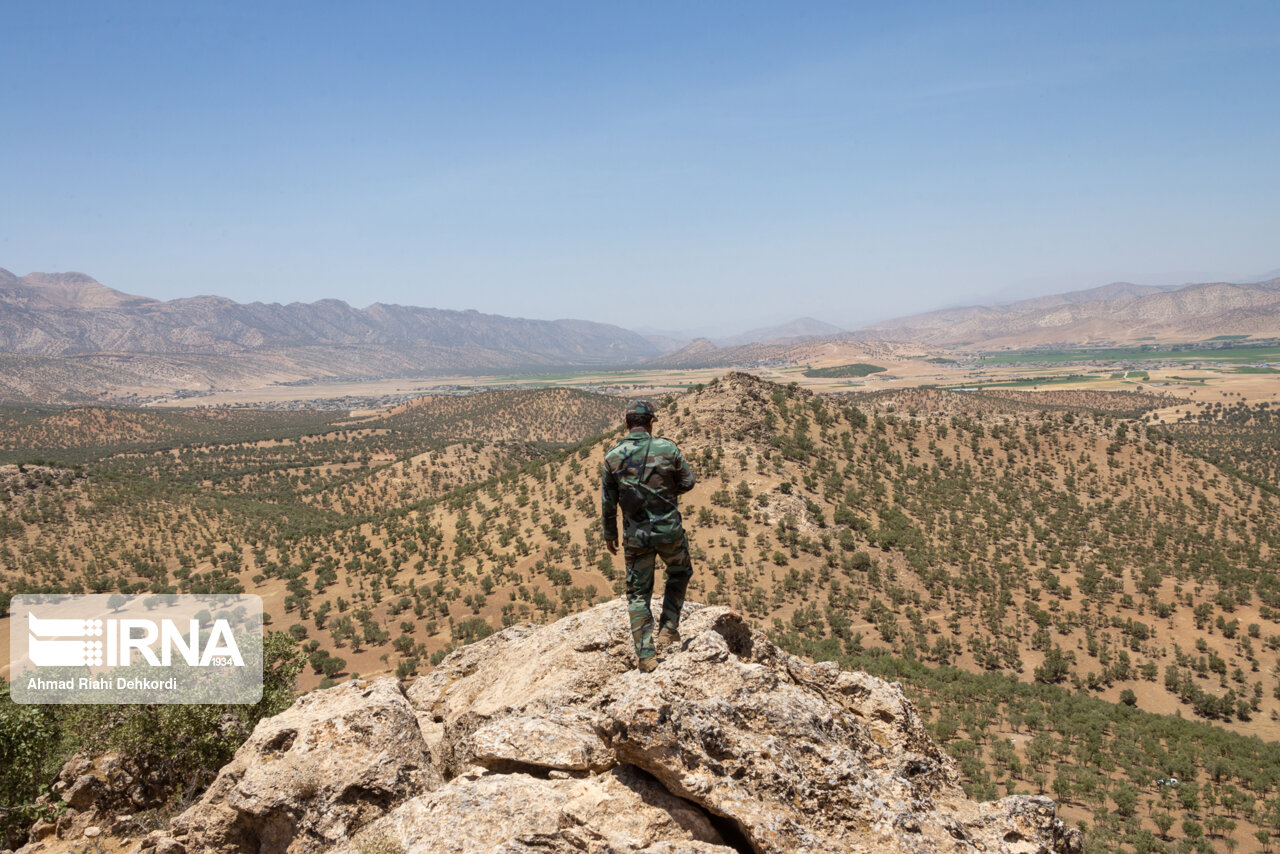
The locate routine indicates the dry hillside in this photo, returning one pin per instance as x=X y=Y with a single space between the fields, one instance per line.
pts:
x=1043 y=542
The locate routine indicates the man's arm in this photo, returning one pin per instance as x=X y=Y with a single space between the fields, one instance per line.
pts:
x=684 y=479
x=609 y=508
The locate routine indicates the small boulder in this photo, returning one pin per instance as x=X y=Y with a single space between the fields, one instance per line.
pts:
x=42 y=829
x=84 y=792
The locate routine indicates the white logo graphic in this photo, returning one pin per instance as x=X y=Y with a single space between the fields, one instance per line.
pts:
x=150 y=648
x=64 y=653
x=220 y=648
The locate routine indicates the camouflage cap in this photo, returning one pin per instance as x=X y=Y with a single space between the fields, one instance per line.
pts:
x=641 y=407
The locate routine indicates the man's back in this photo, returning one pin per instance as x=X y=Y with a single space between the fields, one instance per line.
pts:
x=644 y=475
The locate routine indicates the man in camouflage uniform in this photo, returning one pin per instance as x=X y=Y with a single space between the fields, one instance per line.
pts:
x=645 y=475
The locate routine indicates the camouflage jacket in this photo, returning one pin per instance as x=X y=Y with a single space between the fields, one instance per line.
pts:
x=644 y=474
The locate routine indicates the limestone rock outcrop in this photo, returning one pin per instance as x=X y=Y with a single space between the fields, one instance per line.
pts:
x=622 y=810
x=310 y=776
x=548 y=739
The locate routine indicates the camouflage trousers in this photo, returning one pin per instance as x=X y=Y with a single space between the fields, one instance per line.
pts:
x=640 y=565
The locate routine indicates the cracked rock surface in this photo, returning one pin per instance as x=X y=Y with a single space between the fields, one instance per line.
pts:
x=310 y=776
x=547 y=739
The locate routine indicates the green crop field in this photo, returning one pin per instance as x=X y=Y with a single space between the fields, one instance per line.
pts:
x=1231 y=355
x=857 y=369
x=1030 y=382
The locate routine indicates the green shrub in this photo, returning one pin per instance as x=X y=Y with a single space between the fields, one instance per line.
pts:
x=29 y=758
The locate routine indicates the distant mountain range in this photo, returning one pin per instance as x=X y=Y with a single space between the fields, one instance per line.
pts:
x=1118 y=313
x=64 y=314
x=65 y=337
x=804 y=327
x=783 y=333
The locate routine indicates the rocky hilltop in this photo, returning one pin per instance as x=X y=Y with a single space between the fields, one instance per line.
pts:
x=547 y=739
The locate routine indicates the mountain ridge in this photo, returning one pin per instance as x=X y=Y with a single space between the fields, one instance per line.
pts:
x=793 y=331
x=1120 y=312
x=65 y=337
x=60 y=314
x=800 y=328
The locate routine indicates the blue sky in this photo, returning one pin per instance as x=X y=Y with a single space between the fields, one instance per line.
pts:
x=671 y=165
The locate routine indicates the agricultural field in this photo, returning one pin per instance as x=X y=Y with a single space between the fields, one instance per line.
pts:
x=857 y=369
x=1227 y=352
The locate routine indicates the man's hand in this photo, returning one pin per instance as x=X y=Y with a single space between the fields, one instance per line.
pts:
x=612 y=546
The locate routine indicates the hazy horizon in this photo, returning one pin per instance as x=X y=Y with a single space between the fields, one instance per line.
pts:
x=728 y=330
x=730 y=167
